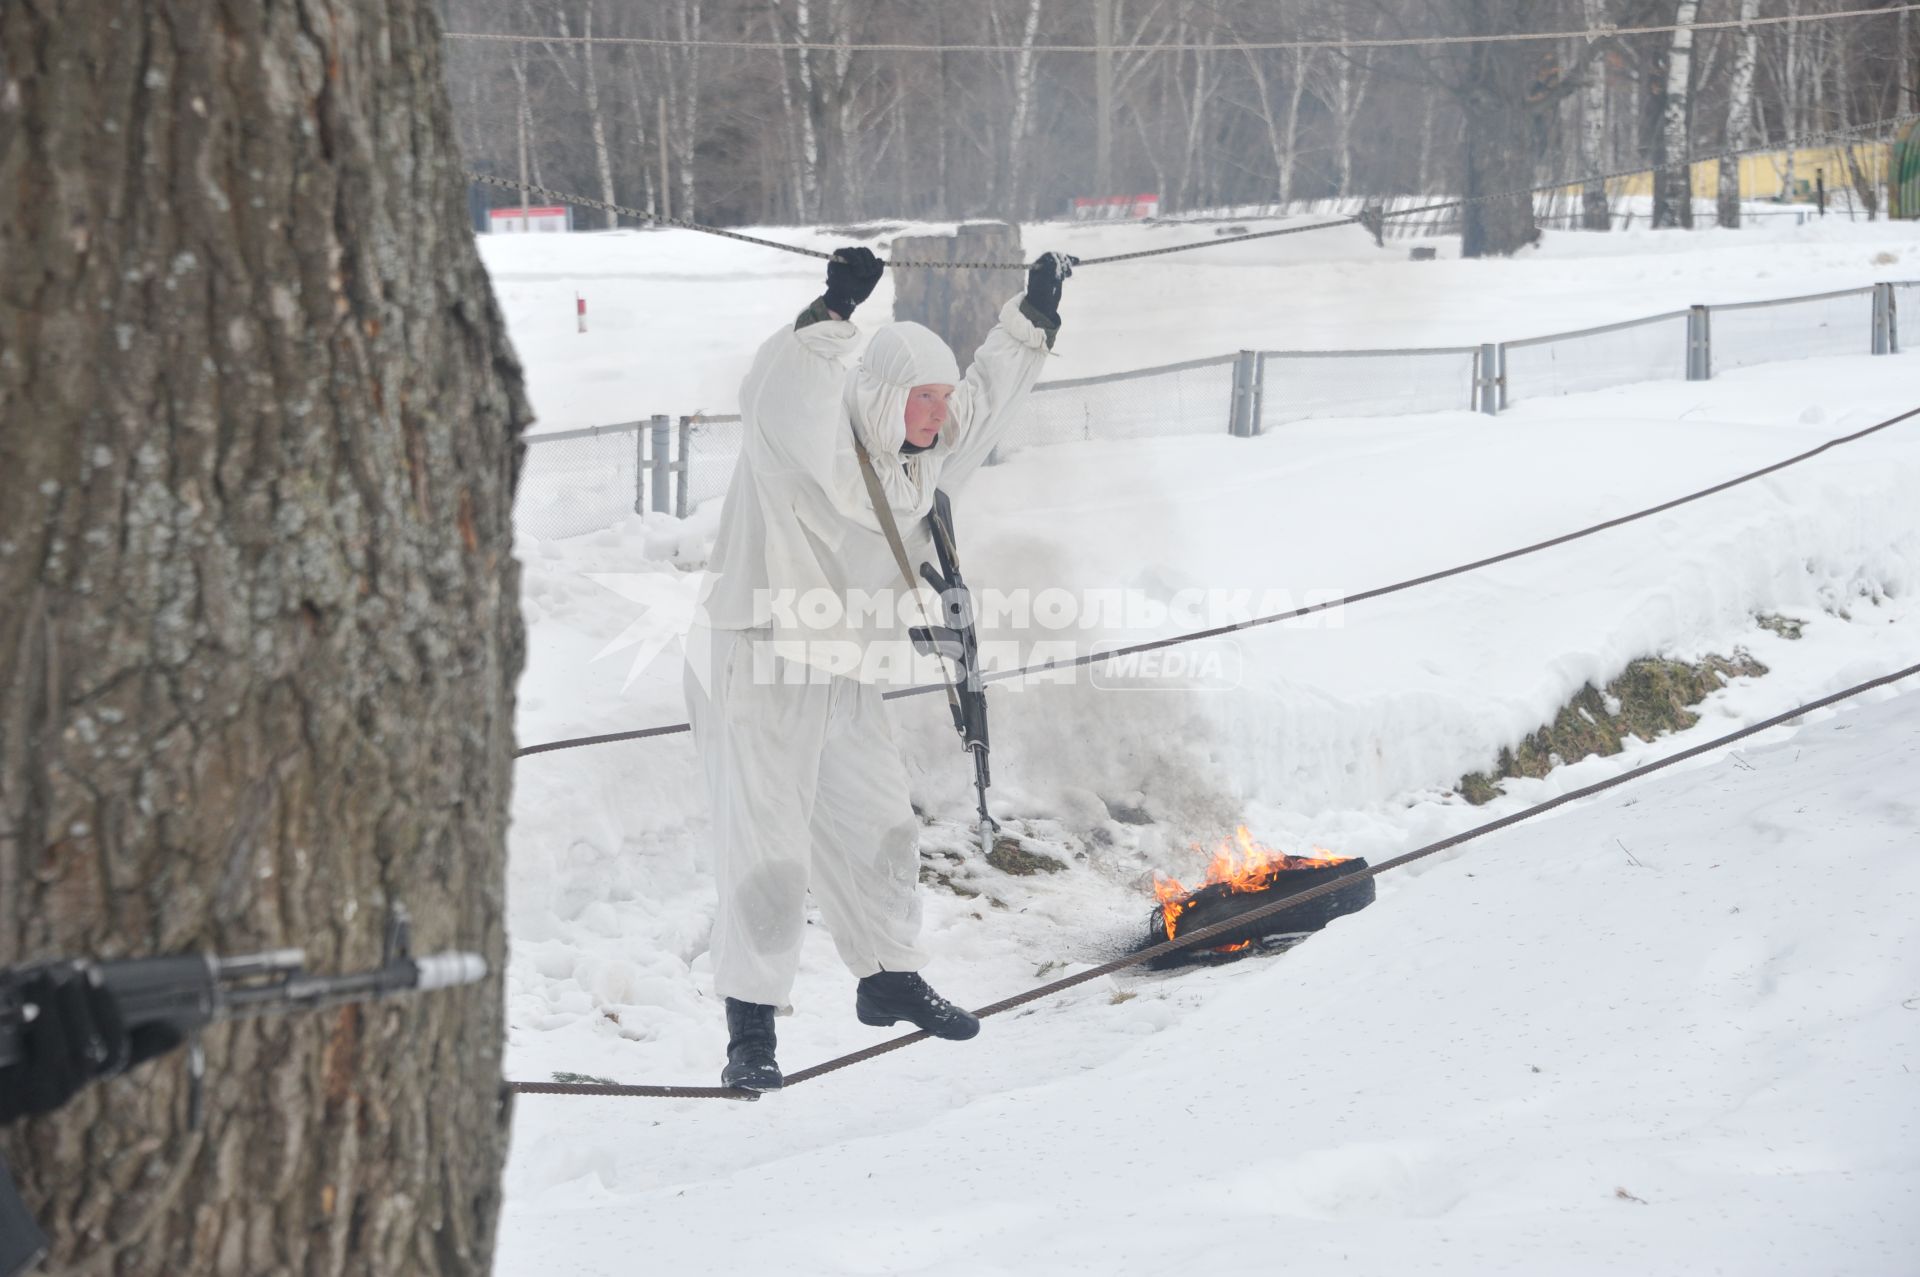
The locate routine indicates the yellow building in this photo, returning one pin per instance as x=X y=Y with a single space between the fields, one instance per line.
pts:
x=1764 y=176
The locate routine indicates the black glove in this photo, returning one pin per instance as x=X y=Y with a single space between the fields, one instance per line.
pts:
x=1044 y=279
x=75 y=1037
x=851 y=275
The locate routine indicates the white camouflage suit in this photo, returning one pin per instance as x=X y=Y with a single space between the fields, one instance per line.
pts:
x=807 y=786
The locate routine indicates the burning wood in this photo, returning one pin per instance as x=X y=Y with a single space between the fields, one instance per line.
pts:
x=1245 y=876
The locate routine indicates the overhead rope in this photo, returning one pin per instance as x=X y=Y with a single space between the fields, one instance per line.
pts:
x=1367 y=217
x=1296 y=613
x=1601 y=31
x=1201 y=935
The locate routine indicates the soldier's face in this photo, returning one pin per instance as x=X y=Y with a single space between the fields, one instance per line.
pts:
x=926 y=413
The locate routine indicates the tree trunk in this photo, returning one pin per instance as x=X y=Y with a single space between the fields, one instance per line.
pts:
x=523 y=126
x=1673 y=184
x=261 y=633
x=597 y=125
x=1499 y=159
x=1596 y=212
x=1739 y=117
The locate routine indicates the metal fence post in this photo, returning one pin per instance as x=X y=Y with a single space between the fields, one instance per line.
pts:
x=661 y=502
x=1240 y=414
x=1883 y=319
x=680 y=468
x=1486 y=378
x=1699 y=344
x=639 y=470
x=1503 y=376
x=1259 y=394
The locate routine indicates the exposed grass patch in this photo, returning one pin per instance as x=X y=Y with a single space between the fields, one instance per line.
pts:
x=1652 y=697
x=1008 y=856
x=583 y=1079
x=1785 y=626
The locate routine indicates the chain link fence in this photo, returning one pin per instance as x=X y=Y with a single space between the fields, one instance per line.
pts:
x=1905 y=302
x=1749 y=333
x=1295 y=385
x=580 y=481
x=1173 y=399
x=708 y=448
x=1650 y=349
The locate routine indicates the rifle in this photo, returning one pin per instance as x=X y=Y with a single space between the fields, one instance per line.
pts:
x=958 y=641
x=184 y=994
x=180 y=996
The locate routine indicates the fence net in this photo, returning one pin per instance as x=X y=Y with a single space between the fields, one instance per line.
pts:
x=1652 y=349
x=709 y=447
x=578 y=481
x=1796 y=328
x=1296 y=385
x=1179 y=399
x=1906 y=315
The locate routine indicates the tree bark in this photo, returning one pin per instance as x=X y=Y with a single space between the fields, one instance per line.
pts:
x=597 y=125
x=261 y=631
x=1596 y=211
x=1673 y=184
x=1739 y=117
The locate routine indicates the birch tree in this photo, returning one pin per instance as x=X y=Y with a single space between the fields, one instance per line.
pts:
x=1739 y=115
x=1673 y=182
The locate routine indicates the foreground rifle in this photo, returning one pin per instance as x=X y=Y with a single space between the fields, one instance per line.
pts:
x=168 y=1001
x=958 y=641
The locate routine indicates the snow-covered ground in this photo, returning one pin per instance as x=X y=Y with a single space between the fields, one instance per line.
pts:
x=670 y=312
x=1699 y=991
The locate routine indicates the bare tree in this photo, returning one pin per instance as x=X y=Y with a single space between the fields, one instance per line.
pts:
x=261 y=633
x=1673 y=180
x=1739 y=116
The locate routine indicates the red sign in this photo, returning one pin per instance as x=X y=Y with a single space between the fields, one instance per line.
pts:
x=513 y=221
x=1104 y=208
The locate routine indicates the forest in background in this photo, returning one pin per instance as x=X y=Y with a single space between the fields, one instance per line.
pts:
x=788 y=134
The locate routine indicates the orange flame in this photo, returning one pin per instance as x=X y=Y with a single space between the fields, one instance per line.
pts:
x=1243 y=865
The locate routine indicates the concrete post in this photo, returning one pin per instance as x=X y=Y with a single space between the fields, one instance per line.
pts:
x=1883 y=339
x=662 y=502
x=1486 y=379
x=1699 y=344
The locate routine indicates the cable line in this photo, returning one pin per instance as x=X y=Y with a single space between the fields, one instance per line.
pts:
x=1589 y=34
x=1273 y=618
x=1187 y=940
x=1367 y=217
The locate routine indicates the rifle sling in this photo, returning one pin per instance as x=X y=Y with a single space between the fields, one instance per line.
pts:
x=883 y=511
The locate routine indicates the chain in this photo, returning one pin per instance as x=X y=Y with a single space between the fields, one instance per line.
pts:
x=1363 y=596
x=1201 y=935
x=1588 y=34
x=1367 y=217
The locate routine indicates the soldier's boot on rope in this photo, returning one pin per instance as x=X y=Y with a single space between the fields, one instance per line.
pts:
x=892 y=996
x=750 y=1044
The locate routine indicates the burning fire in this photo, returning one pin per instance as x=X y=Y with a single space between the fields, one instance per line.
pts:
x=1243 y=865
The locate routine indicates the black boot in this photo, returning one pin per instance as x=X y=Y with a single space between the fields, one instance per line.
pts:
x=750 y=1065
x=902 y=995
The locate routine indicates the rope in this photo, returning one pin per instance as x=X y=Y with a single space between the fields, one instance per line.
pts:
x=1365 y=595
x=1589 y=34
x=1202 y=935
x=1367 y=217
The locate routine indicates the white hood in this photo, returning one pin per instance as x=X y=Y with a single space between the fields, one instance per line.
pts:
x=900 y=356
